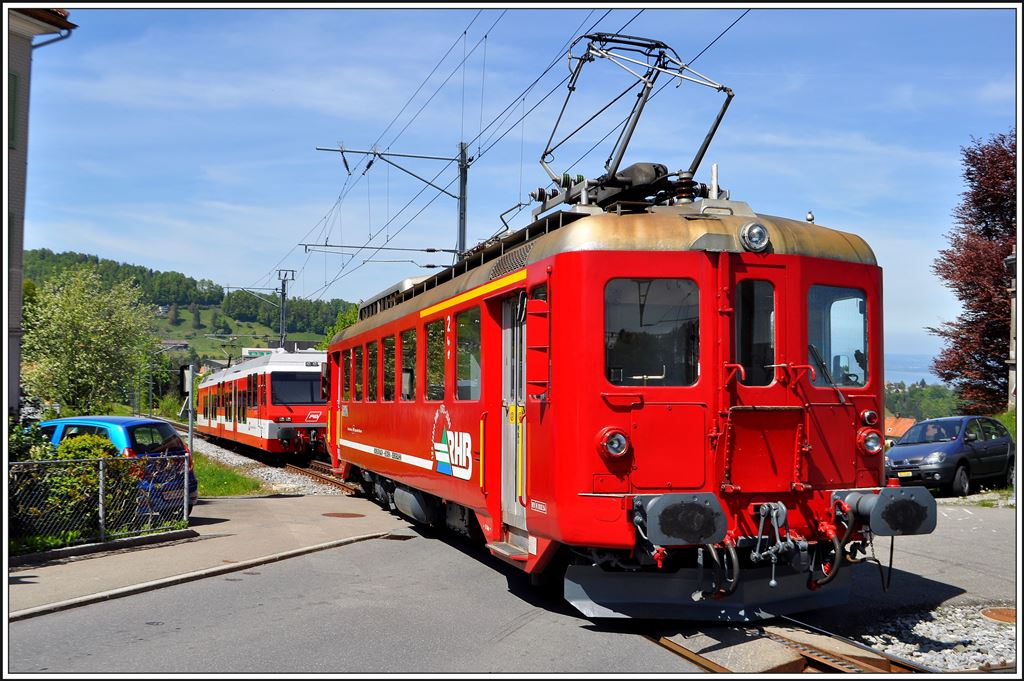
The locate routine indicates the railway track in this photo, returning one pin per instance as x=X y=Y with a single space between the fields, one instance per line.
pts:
x=317 y=470
x=789 y=647
x=321 y=472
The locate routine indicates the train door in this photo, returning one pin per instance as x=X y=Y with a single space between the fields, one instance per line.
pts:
x=513 y=441
x=767 y=424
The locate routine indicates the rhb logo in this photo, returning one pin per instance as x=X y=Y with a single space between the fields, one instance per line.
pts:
x=453 y=450
x=313 y=416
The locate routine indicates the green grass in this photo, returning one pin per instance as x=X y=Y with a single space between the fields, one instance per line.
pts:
x=218 y=480
x=250 y=334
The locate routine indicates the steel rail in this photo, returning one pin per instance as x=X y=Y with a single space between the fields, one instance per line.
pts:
x=696 y=658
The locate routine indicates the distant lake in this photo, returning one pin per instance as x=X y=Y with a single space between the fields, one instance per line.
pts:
x=909 y=369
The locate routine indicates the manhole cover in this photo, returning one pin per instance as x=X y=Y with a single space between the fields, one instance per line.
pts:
x=344 y=515
x=1007 y=615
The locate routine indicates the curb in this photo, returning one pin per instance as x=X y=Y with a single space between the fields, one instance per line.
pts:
x=180 y=579
x=112 y=545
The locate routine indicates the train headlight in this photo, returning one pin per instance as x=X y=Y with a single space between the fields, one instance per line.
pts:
x=613 y=443
x=870 y=441
x=284 y=419
x=869 y=417
x=754 y=237
x=934 y=457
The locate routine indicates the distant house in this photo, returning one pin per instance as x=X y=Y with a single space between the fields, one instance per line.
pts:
x=895 y=427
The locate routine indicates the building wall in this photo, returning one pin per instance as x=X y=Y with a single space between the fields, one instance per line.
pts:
x=19 y=73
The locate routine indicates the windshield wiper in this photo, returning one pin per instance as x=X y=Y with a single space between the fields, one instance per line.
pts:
x=824 y=371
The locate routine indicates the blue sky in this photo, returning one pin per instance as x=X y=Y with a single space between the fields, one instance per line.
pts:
x=184 y=139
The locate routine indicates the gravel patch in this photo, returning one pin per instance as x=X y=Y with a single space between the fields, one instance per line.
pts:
x=949 y=638
x=278 y=480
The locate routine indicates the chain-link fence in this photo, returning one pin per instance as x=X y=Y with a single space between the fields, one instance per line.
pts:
x=56 y=503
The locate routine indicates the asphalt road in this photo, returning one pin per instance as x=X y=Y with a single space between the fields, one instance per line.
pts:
x=382 y=606
x=431 y=605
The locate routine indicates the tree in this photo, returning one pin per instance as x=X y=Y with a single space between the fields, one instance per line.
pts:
x=977 y=343
x=172 y=315
x=88 y=342
x=194 y=310
x=348 y=316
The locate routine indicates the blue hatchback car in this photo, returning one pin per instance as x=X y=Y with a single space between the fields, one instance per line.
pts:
x=133 y=436
x=953 y=453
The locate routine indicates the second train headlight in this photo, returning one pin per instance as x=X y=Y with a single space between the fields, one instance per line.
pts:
x=870 y=441
x=613 y=443
x=754 y=237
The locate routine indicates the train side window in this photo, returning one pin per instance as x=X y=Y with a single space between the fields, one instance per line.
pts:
x=409 y=365
x=837 y=335
x=467 y=355
x=435 y=360
x=388 y=348
x=357 y=372
x=346 y=371
x=651 y=332
x=755 y=331
x=371 y=371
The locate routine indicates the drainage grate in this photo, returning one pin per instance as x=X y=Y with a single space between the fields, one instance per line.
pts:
x=1004 y=615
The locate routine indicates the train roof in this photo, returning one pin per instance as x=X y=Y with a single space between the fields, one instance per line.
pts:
x=279 y=360
x=707 y=225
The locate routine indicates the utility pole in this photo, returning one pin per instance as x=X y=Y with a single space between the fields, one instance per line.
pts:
x=462 y=159
x=285 y=276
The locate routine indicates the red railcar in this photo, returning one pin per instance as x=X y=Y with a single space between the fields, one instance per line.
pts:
x=645 y=392
x=664 y=396
x=271 y=402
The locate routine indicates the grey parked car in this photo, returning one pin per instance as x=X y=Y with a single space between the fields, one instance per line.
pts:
x=953 y=453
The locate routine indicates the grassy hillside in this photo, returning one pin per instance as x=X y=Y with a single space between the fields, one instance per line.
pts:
x=243 y=334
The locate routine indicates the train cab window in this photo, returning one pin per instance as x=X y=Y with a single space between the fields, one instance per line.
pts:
x=357 y=372
x=295 y=387
x=388 y=347
x=346 y=371
x=435 y=360
x=755 y=331
x=467 y=354
x=651 y=332
x=371 y=372
x=837 y=335
x=409 y=365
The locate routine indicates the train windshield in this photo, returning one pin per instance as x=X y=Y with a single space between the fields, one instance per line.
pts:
x=295 y=387
x=837 y=335
x=651 y=330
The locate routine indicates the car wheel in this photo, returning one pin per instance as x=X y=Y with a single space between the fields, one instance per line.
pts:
x=1009 y=473
x=961 y=481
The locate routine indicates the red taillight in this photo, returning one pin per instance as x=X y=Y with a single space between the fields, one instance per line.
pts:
x=129 y=452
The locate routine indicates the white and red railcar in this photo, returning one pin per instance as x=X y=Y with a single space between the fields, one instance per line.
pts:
x=273 y=403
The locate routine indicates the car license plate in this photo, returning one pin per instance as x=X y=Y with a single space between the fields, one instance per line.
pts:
x=171 y=494
x=904 y=474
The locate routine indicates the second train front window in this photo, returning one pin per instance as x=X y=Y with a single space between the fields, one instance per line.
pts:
x=651 y=332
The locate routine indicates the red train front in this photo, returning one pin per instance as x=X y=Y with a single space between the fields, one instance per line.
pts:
x=681 y=403
x=271 y=402
x=666 y=397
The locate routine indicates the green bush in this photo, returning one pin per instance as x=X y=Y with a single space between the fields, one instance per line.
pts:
x=1009 y=419
x=27 y=441
x=169 y=406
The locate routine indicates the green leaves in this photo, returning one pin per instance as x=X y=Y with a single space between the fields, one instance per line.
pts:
x=88 y=342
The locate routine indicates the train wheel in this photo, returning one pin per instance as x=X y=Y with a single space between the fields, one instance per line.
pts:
x=961 y=481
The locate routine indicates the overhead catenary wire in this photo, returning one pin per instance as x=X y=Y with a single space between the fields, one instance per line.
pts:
x=495 y=123
x=508 y=109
